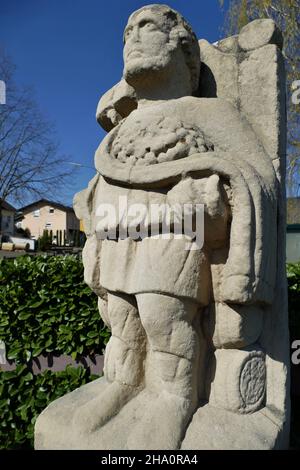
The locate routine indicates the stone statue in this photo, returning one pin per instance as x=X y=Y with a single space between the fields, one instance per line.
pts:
x=198 y=357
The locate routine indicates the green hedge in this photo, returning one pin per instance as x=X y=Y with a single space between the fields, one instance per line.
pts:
x=23 y=396
x=45 y=307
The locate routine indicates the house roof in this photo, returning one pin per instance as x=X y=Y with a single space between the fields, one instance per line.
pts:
x=8 y=207
x=293 y=210
x=47 y=202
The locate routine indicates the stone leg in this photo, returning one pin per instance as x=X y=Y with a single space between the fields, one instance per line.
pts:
x=237 y=374
x=123 y=364
x=236 y=384
x=239 y=381
x=173 y=356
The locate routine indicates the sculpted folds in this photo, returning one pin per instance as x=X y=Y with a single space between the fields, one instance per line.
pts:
x=198 y=357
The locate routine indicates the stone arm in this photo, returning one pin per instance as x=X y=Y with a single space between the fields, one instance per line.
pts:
x=215 y=196
x=115 y=105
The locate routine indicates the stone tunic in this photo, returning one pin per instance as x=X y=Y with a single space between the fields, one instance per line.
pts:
x=151 y=264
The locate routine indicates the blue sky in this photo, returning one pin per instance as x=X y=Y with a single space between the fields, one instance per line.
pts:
x=70 y=52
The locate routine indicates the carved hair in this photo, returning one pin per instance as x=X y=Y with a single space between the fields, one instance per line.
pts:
x=179 y=30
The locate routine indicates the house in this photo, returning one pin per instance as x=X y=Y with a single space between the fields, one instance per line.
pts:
x=48 y=215
x=7 y=215
x=293 y=230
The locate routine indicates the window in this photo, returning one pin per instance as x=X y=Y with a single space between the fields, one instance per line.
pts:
x=48 y=225
x=51 y=210
x=36 y=213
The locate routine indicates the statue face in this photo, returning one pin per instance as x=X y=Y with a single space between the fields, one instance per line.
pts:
x=147 y=47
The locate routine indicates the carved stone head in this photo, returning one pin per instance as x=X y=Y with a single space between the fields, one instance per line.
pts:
x=158 y=41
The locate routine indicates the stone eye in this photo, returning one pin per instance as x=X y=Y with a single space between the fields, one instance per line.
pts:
x=146 y=24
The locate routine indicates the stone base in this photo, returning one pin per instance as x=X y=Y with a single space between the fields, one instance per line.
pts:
x=210 y=428
x=218 y=429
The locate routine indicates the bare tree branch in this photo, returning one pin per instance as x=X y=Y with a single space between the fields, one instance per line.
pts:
x=286 y=13
x=30 y=164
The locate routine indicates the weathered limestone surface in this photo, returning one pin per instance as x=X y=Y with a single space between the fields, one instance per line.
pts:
x=199 y=354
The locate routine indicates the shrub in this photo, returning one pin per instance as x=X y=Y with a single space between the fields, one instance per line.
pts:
x=44 y=241
x=23 y=396
x=45 y=307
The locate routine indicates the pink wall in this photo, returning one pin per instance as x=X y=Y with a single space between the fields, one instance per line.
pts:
x=58 y=220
